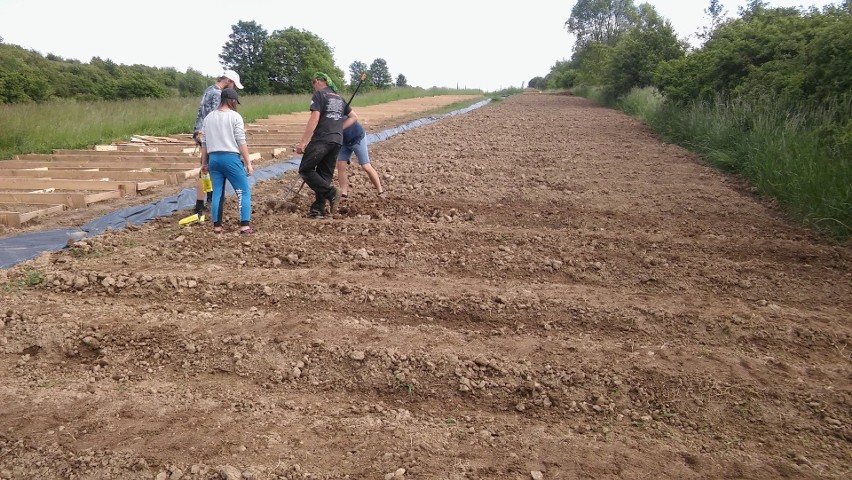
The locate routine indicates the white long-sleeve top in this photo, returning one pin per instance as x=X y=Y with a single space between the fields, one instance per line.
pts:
x=224 y=131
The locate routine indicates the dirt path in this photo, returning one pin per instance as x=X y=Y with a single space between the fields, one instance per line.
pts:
x=549 y=292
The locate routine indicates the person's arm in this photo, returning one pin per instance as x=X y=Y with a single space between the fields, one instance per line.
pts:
x=244 y=153
x=313 y=121
x=242 y=145
x=204 y=159
x=350 y=120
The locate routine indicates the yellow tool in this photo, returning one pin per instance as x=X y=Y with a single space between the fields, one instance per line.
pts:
x=194 y=218
x=206 y=182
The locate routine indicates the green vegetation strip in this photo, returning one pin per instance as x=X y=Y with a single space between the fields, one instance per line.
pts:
x=69 y=124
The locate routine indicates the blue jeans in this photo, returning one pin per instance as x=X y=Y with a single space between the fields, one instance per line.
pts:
x=228 y=166
x=359 y=149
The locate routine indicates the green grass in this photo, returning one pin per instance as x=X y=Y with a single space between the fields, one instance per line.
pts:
x=641 y=102
x=68 y=124
x=27 y=278
x=401 y=384
x=33 y=277
x=798 y=156
x=592 y=93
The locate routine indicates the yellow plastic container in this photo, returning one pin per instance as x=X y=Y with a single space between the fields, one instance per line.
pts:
x=194 y=218
x=206 y=183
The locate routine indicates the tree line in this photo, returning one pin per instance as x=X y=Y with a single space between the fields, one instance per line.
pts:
x=284 y=61
x=27 y=76
x=797 y=58
x=766 y=94
x=278 y=63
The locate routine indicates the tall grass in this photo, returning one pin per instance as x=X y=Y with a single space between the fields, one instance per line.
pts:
x=793 y=155
x=60 y=124
x=592 y=93
x=641 y=102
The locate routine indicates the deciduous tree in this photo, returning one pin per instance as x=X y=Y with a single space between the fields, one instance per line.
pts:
x=600 y=21
x=293 y=56
x=244 y=53
x=379 y=74
x=356 y=68
x=634 y=58
x=716 y=12
x=562 y=75
x=139 y=86
x=192 y=83
x=795 y=56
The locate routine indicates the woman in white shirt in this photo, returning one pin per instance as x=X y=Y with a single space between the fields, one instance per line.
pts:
x=225 y=155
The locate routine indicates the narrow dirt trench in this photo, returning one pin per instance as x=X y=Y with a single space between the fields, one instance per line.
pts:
x=548 y=292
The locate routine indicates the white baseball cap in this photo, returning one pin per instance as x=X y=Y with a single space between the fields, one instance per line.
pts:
x=234 y=76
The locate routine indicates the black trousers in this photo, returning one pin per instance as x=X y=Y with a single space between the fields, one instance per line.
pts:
x=317 y=169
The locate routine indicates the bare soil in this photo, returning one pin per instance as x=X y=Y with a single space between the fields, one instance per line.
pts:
x=549 y=291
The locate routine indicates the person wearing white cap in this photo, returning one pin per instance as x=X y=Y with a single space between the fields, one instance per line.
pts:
x=210 y=101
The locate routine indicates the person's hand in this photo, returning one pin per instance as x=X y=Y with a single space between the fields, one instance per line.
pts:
x=249 y=170
x=299 y=148
x=205 y=168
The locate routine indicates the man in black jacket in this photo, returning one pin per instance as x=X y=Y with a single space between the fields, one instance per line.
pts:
x=321 y=143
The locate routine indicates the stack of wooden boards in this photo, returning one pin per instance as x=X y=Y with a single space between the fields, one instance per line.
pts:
x=35 y=185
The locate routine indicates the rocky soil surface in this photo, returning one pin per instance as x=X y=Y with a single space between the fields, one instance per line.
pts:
x=548 y=292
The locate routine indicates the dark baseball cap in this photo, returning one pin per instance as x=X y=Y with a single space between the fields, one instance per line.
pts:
x=230 y=93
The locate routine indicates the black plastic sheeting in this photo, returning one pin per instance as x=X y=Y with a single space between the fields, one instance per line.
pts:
x=14 y=250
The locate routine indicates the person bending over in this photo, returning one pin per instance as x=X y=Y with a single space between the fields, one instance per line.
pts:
x=355 y=141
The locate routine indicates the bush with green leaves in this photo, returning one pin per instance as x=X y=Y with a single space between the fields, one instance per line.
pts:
x=636 y=55
x=797 y=56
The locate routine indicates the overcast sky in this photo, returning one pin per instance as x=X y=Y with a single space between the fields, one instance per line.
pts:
x=461 y=43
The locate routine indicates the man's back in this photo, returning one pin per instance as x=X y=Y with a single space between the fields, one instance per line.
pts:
x=209 y=101
x=333 y=110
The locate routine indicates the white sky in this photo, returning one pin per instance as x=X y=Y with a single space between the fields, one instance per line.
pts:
x=462 y=43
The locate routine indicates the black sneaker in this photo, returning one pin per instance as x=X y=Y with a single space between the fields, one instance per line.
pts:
x=316 y=215
x=333 y=200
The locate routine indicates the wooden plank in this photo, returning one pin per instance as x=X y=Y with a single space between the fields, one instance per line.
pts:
x=101 y=196
x=191 y=151
x=276 y=130
x=171 y=178
x=16 y=219
x=124 y=157
x=97 y=185
x=10 y=219
x=272 y=140
x=101 y=165
x=153 y=139
x=149 y=184
x=115 y=154
x=71 y=199
x=162 y=148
